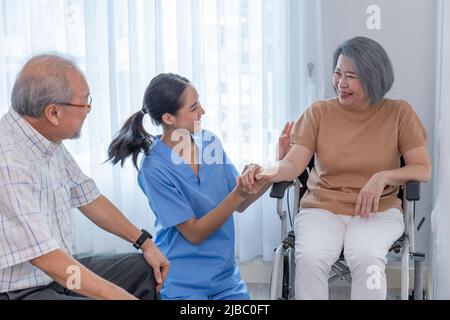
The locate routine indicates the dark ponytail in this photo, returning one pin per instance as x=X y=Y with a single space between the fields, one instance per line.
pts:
x=132 y=139
x=163 y=95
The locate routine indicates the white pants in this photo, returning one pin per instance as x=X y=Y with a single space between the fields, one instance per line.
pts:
x=319 y=238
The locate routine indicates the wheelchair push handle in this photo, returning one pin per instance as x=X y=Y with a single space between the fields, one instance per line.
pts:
x=278 y=189
x=412 y=191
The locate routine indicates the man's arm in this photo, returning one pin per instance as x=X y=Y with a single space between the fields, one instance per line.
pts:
x=105 y=215
x=108 y=217
x=57 y=264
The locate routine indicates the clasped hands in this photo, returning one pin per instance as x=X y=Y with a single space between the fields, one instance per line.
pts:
x=251 y=181
x=254 y=177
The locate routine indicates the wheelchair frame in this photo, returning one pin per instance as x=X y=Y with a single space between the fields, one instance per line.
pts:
x=283 y=271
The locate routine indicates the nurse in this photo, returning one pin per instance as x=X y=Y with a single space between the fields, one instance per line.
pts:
x=191 y=187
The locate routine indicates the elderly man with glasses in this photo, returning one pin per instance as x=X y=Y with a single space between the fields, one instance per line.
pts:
x=40 y=183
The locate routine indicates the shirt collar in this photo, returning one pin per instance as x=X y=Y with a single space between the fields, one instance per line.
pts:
x=34 y=140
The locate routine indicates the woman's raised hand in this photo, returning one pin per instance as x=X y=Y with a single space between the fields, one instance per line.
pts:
x=284 y=141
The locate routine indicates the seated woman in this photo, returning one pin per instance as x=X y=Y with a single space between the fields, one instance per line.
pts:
x=358 y=139
x=191 y=187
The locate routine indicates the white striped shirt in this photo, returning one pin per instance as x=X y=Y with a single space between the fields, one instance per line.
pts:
x=40 y=184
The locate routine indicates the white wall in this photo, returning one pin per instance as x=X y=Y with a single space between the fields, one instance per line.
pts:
x=408 y=33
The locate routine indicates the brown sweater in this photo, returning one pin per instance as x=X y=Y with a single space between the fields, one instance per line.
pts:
x=352 y=145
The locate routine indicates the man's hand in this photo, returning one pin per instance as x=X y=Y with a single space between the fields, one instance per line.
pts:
x=157 y=261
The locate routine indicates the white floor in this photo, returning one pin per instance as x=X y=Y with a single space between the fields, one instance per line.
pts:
x=260 y=291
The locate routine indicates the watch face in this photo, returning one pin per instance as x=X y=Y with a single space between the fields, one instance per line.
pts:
x=146 y=235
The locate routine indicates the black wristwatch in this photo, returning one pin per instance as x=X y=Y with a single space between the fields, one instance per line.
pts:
x=144 y=236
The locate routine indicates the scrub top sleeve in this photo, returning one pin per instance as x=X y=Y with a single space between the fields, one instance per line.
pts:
x=170 y=205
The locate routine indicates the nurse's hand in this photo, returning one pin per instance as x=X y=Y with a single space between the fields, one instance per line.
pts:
x=248 y=192
x=247 y=180
x=254 y=173
x=247 y=184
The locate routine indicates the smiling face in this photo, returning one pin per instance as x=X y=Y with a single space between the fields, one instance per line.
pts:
x=189 y=116
x=349 y=88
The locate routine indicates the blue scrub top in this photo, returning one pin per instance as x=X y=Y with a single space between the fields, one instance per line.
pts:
x=176 y=195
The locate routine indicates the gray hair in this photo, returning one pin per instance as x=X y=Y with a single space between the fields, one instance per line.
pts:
x=372 y=64
x=42 y=81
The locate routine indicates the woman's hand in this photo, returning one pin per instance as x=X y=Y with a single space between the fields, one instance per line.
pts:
x=284 y=141
x=369 y=196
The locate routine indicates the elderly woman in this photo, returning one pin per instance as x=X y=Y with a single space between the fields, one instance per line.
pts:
x=358 y=138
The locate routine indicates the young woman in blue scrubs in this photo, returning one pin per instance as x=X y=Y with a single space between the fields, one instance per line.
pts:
x=191 y=187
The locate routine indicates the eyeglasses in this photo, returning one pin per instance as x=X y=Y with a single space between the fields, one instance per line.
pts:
x=87 y=106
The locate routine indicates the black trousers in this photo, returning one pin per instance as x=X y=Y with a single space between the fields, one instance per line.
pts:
x=128 y=271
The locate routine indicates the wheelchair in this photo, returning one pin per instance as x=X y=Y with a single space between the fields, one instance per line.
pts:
x=283 y=270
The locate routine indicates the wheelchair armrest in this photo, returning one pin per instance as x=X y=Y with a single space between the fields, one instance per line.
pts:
x=412 y=191
x=279 y=188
